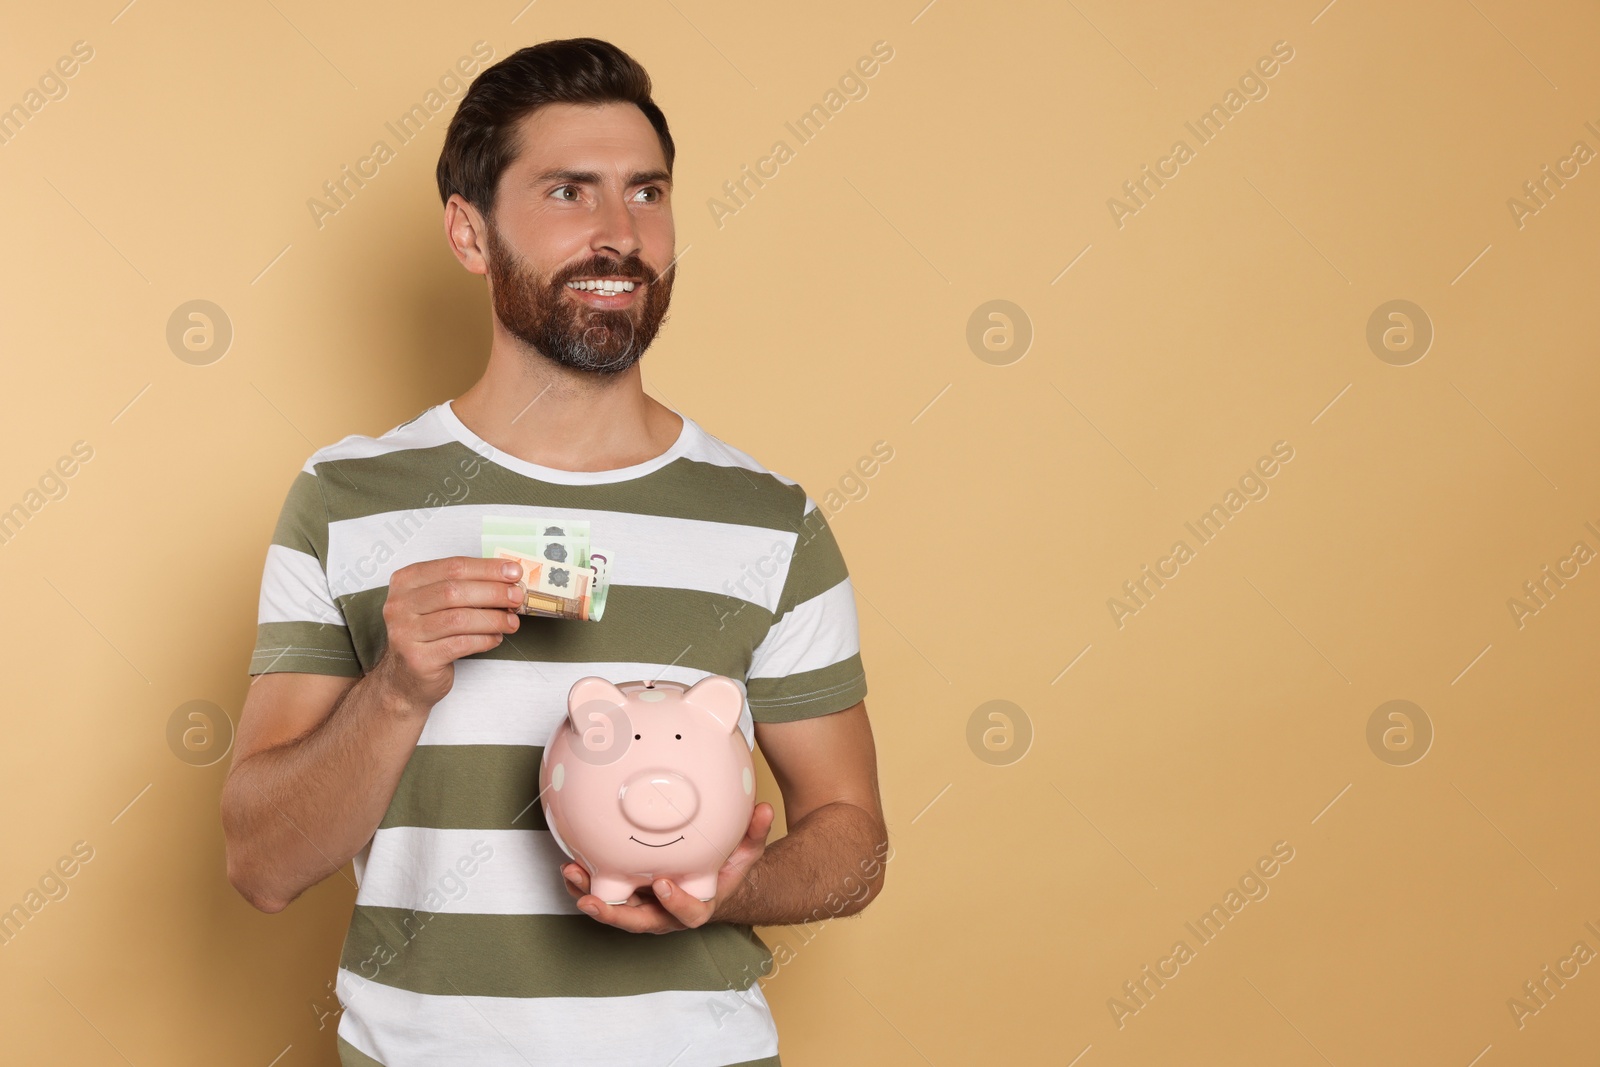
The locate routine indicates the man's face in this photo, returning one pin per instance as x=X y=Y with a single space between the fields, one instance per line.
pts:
x=587 y=201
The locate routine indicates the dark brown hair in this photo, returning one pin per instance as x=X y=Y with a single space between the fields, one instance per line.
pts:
x=482 y=139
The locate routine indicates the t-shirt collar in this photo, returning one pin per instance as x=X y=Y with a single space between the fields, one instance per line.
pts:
x=457 y=429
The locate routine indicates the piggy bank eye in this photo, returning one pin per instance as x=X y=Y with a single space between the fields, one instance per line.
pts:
x=636 y=737
x=678 y=736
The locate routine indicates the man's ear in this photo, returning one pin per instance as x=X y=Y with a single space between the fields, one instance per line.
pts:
x=719 y=697
x=467 y=233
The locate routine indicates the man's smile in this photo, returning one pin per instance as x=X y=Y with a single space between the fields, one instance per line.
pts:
x=606 y=292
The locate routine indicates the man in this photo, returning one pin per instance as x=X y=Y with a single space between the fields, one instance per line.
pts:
x=399 y=706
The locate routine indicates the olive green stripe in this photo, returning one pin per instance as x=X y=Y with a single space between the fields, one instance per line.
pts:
x=544 y=955
x=799 y=696
x=315 y=647
x=816 y=566
x=350 y=1056
x=646 y=624
x=469 y=787
x=302 y=522
x=650 y=636
x=451 y=473
x=649 y=624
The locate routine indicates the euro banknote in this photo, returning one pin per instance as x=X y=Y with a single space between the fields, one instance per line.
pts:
x=563 y=577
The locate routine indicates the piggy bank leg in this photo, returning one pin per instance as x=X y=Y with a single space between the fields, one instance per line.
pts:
x=611 y=890
x=700 y=886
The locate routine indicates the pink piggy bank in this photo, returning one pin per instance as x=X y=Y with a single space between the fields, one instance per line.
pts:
x=648 y=780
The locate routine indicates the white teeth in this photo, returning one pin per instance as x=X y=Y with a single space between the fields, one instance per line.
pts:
x=603 y=286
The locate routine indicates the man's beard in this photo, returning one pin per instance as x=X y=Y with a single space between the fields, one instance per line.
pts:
x=538 y=312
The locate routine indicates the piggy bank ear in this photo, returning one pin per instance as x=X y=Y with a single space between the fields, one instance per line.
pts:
x=587 y=690
x=720 y=697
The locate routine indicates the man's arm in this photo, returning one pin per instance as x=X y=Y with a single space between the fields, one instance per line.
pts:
x=318 y=758
x=830 y=863
x=315 y=765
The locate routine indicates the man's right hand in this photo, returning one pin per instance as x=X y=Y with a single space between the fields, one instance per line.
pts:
x=438 y=611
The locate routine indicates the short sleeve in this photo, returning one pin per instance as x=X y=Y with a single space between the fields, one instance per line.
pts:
x=299 y=625
x=809 y=662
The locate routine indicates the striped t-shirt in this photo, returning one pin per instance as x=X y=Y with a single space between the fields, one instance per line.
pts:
x=464 y=946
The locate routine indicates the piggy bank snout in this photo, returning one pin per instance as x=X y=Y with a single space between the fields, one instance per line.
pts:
x=659 y=800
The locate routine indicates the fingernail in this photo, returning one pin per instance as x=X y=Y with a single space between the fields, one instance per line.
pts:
x=663 y=889
x=590 y=910
x=512 y=570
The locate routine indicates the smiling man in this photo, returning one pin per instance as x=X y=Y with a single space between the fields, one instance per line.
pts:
x=400 y=704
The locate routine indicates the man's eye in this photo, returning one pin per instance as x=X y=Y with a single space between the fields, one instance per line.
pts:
x=565 y=188
x=653 y=191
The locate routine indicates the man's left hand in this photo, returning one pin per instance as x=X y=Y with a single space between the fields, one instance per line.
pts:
x=663 y=907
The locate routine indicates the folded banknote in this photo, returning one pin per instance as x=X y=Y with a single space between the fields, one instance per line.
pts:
x=562 y=576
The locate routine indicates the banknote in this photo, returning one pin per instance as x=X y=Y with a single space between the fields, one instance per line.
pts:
x=600 y=563
x=562 y=576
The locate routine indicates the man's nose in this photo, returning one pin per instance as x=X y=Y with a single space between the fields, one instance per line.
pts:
x=616 y=230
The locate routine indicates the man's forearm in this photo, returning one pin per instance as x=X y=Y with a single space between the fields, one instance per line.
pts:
x=296 y=813
x=829 y=864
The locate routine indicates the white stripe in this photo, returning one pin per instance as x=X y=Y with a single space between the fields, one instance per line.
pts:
x=294 y=589
x=466 y=872
x=359 y=862
x=708 y=448
x=683 y=1028
x=519 y=702
x=748 y=562
x=422 y=432
x=814 y=633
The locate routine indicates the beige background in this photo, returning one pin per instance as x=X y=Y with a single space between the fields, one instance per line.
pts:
x=830 y=313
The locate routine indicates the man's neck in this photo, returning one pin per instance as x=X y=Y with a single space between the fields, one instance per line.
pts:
x=539 y=411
